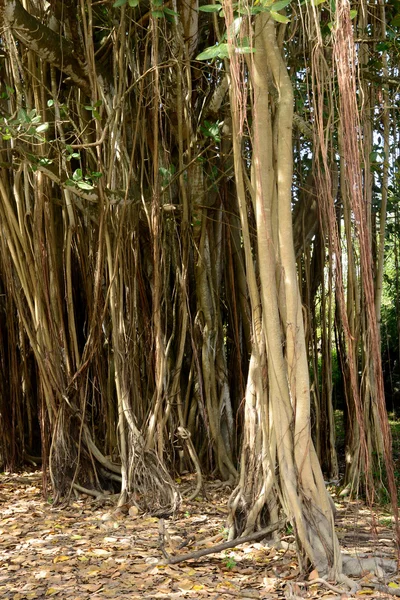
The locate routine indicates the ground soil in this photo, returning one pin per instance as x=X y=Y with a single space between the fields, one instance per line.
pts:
x=91 y=550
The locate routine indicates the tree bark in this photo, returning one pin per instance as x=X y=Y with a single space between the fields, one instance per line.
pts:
x=284 y=408
x=46 y=43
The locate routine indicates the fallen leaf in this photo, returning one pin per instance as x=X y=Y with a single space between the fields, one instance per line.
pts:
x=100 y=552
x=185 y=585
x=61 y=558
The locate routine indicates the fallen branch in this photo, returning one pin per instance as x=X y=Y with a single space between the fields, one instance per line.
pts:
x=257 y=535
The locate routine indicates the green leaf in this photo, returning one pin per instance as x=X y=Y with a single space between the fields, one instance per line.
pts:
x=353 y=14
x=45 y=161
x=374 y=156
x=22 y=116
x=219 y=51
x=77 y=175
x=119 y=3
x=210 y=129
x=317 y=2
x=277 y=6
x=133 y=3
x=279 y=18
x=165 y=174
x=157 y=13
x=42 y=127
x=169 y=11
x=50 y=103
x=84 y=185
x=382 y=46
x=210 y=8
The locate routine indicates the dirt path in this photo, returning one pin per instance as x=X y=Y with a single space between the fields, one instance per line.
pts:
x=87 y=551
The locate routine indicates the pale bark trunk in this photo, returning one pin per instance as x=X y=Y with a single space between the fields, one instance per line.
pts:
x=286 y=437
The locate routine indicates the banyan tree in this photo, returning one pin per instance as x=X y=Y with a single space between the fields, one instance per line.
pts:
x=193 y=210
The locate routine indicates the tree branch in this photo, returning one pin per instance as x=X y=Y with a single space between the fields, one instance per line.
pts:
x=47 y=44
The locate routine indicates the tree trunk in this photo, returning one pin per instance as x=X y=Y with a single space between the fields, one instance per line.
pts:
x=283 y=406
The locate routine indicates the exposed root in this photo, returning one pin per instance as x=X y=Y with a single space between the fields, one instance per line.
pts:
x=87 y=491
x=321 y=581
x=355 y=566
x=386 y=589
x=354 y=587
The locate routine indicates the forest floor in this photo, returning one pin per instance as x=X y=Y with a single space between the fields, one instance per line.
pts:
x=92 y=551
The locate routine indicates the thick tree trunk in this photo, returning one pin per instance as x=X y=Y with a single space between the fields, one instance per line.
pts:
x=284 y=408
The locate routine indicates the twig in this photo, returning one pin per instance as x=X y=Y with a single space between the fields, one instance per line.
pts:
x=173 y=560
